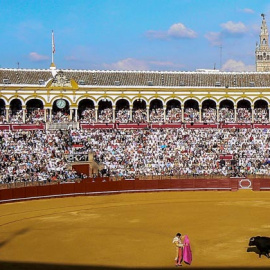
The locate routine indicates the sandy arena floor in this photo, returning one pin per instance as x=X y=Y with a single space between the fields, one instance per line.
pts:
x=136 y=230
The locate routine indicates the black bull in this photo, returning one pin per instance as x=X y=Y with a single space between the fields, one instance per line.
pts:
x=262 y=243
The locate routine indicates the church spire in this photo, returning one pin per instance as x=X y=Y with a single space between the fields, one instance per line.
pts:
x=262 y=49
x=264 y=33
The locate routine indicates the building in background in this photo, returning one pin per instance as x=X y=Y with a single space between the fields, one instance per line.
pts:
x=262 y=50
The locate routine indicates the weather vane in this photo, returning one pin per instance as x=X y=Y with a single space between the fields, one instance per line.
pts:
x=263 y=15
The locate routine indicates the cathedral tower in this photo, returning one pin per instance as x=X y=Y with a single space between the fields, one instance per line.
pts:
x=262 y=50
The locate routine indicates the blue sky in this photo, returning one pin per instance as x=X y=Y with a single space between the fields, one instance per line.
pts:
x=178 y=35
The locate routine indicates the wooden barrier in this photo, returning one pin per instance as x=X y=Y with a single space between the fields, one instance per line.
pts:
x=103 y=185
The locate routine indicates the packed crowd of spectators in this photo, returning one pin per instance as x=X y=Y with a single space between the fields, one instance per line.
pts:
x=88 y=116
x=191 y=115
x=27 y=156
x=209 y=115
x=122 y=116
x=130 y=153
x=174 y=115
x=16 y=117
x=261 y=115
x=226 y=115
x=105 y=116
x=60 y=117
x=157 y=115
x=34 y=116
x=139 y=116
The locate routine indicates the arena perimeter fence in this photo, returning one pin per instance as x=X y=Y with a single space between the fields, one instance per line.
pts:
x=105 y=186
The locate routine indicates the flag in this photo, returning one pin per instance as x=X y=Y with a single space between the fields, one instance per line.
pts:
x=53 y=46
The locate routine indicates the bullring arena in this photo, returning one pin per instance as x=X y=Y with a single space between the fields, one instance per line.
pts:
x=100 y=169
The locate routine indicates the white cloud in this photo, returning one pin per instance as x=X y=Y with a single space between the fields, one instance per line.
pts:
x=177 y=30
x=214 y=38
x=35 y=57
x=247 y=10
x=166 y=64
x=233 y=65
x=136 y=64
x=128 y=64
x=234 y=28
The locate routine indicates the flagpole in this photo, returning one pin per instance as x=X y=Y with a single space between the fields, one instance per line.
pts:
x=53 y=47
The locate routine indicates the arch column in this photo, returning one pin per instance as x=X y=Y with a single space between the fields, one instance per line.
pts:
x=217 y=112
x=147 y=112
x=113 y=114
x=252 y=114
x=7 y=114
x=76 y=114
x=23 y=111
x=45 y=115
x=235 y=114
x=200 y=113
x=96 y=113
x=182 y=114
x=130 y=113
x=50 y=114
x=70 y=114
x=164 y=114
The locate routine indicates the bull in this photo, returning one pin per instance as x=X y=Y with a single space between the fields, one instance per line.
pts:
x=262 y=243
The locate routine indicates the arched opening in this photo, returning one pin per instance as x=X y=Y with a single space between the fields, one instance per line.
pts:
x=156 y=114
x=105 y=114
x=173 y=111
x=122 y=111
x=243 y=114
x=16 y=113
x=209 y=111
x=2 y=111
x=226 y=111
x=60 y=111
x=191 y=111
x=139 y=114
x=86 y=111
x=261 y=111
x=34 y=111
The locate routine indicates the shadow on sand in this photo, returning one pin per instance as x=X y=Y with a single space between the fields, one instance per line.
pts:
x=255 y=250
x=14 y=235
x=39 y=266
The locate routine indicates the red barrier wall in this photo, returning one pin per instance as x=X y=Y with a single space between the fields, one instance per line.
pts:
x=99 y=186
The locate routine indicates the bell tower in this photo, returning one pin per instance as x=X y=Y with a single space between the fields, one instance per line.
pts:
x=262 y=50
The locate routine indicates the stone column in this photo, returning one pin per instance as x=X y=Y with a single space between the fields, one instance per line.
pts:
x=200 y=114
x=76 y=115
x=252 y=114
x=70 y=114
x=45 y=115
x=182 y=114
x=235 y=114
x=50 y=114
x=147 y=113
x=113 y=114
x=164 y=114
x=7 y=114
x=217 y=112
x=130 y=112
x=23 y=116
x=96 y=113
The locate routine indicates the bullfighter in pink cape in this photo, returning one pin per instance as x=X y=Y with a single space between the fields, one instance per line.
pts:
x=187 y=254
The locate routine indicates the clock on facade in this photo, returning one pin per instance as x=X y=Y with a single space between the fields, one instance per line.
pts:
x=61 y=103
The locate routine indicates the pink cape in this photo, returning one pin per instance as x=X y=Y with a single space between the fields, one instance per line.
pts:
x=187 y=254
